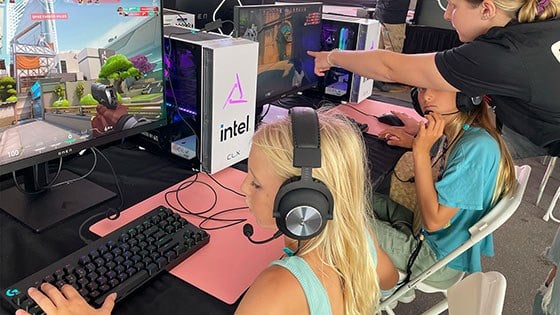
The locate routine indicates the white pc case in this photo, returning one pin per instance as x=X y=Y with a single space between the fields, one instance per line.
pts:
x=226 y=93
x=360 y=34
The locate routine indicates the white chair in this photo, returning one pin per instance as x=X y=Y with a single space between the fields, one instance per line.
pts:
x=548 y=215
x=501 y=212
x=481 y=293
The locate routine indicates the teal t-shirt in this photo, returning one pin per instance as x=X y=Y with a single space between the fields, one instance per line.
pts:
x=468 y=184
x=316 y=295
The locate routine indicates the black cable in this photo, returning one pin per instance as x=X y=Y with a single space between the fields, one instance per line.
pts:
x=411 y=260
x=110 y=213
x=117 y=183
x=200 y=214
x=52 y=184
x=262 y=115
x=359 y=111
x=224 y=187
x=81 y=228
x=26 y=192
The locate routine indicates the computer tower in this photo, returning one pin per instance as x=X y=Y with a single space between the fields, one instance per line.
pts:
x=348 y=33
x=212 y=82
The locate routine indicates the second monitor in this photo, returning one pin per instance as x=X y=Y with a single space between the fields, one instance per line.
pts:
x=285 y=33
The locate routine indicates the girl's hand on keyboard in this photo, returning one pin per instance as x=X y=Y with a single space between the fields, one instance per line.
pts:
x=66 y=301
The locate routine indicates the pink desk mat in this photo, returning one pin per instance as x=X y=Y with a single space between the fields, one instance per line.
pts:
x=229 y=263
x=375 y=108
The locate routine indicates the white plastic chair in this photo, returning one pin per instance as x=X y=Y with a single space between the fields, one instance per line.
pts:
x=548 y=215
x=481 y=293
x=501 y=212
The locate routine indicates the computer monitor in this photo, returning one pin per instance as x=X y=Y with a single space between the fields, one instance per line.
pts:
x=206 y=11
x=83 y=73
x=285 y=33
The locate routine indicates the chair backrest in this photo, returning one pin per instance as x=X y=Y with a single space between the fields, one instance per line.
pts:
x=499 y=214
x=481 y=293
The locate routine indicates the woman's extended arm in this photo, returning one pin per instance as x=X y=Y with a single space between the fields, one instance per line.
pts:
x=412 y=69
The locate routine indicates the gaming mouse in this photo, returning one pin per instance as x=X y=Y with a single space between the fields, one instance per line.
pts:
x=390 y=119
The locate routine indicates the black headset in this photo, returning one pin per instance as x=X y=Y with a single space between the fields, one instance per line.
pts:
x=464 y=102
x=303 y=204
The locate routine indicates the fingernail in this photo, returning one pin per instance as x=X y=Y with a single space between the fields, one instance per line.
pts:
x=31 y=290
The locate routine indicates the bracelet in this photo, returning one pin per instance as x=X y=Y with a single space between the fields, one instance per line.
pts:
x=329 y=57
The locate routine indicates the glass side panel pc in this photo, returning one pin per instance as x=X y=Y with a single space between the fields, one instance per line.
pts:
x=338 y=35
x=80 y=73
x=285 y=32
x=182 y=74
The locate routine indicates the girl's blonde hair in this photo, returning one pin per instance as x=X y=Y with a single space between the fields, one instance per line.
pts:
x=525 y=11
x=480 y=116
x=343 y=244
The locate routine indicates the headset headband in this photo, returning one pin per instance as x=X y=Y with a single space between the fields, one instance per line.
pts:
x=307 y=146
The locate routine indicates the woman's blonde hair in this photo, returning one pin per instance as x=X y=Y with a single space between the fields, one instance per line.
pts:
x=480 y=116
x=343 y=244
x=526 y=11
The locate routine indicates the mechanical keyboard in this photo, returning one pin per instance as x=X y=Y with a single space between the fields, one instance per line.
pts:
x=118 y=262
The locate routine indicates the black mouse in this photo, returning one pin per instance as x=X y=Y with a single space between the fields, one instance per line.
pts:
x=390 y=119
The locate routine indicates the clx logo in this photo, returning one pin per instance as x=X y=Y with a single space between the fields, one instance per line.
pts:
x=238 y=90
x=238 y=128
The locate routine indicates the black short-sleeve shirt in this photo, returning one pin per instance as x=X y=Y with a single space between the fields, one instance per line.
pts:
x=518 y=67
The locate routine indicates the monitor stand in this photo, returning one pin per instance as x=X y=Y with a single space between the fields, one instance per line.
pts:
x=42 y=210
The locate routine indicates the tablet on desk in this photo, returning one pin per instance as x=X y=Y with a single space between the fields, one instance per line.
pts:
x=229 y=263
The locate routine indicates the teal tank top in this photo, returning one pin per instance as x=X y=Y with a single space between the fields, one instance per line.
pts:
x=315 y=293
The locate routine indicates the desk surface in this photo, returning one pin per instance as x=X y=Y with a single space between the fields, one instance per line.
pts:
x=142 y=174
x=229 y=263
x=367 y=110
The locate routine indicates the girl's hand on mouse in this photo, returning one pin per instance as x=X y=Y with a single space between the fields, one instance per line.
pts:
x=428 y=133
x=397 y=136
x=410 y=124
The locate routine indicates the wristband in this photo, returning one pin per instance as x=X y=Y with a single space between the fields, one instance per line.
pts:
x=329 y=57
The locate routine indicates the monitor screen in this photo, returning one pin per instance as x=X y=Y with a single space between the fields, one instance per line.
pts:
x=81 y=73
x=206 y=11
x=285 y=33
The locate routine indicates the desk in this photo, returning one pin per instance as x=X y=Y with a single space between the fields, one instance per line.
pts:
x=142 y=174
x=229 y=263
x=23 y=252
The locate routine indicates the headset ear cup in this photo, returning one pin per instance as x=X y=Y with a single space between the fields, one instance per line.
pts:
x=415 y=102
x=124 y=121
x=302 y=208
x=467 y=103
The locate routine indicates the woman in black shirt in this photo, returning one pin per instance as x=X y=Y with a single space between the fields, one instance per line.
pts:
x=512 y=55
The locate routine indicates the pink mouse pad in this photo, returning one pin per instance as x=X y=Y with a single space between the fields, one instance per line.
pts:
x=361 y=111
x=229 y=263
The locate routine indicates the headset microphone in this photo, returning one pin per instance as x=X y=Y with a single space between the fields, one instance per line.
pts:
x=443 y=114
x=248 y=232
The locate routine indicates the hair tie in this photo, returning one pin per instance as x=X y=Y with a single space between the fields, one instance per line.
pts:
x=541 y=5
